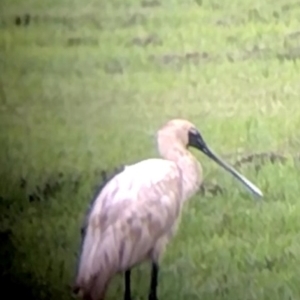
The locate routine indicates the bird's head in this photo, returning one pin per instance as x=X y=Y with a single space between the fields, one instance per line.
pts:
x=186 y=133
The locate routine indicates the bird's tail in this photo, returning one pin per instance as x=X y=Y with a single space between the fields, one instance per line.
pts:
x=97 y=265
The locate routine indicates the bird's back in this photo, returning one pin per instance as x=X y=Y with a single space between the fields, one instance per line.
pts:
x=134 y=209
x=135 y=178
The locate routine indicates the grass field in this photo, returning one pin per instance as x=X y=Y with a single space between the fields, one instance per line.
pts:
x=83 y=87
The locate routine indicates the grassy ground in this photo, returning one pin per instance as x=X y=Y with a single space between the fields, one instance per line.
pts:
x=83 y=87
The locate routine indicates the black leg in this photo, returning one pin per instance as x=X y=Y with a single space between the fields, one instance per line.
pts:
x=153 y=284
x=127 y=294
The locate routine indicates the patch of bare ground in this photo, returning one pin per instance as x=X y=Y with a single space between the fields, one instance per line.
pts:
x=253 y=15
x=256 y=52
x=66 y=20
x=230 y=21
x=199 y=2
x=115 y=66
x=79 y=41
x=293 y=35
x=290 y=6
x=216 y=5
x=54 y=183
x=22 y=20
x=261 y=158
x=210 y=189
x=134 y=19
x=178 y=60
x=151 y=39
x=290 y=54
x=291 y=47
x=98 y=21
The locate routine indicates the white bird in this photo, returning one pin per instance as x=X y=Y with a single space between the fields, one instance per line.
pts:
x=137 y=212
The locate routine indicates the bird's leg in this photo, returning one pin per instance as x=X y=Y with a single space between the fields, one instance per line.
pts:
x=153 y=284
x=127 y=294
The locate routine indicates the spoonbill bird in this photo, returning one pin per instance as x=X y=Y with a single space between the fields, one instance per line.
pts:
x=137 y=211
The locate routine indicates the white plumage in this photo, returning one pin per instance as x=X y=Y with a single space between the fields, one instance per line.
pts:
x=137 y=212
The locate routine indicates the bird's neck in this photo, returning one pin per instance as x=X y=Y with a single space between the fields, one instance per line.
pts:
x=190 y=168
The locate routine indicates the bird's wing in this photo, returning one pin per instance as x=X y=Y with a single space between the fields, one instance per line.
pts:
x=132 y=213
x=149 y=191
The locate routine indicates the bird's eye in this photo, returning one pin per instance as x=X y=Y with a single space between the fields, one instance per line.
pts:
x=193 y=131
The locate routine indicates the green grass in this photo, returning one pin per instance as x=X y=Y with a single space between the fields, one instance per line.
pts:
x=83 y=88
